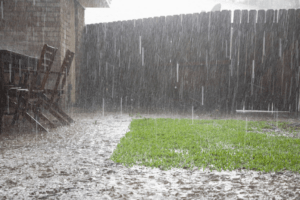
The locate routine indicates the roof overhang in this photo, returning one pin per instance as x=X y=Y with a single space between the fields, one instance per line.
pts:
x=95 y=3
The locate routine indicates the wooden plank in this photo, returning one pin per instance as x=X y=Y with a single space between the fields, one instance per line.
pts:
x=291 y=65
x=43 y=117
x=234 y=58
x=29 y=118
x=257 y=65
x=280 y=67
x=283 y=59
x=266 y=97
x=297 y=57
x=241 y=62
x=34 y=122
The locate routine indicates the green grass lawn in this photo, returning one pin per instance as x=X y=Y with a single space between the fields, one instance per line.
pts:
x=213 y=144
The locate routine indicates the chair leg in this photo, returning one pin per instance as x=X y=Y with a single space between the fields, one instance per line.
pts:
x=62 y=113
x=61 y=120
x=28 y=117
x=34 y=122
x=57 y=112
x=43 y=117
x=16 y=115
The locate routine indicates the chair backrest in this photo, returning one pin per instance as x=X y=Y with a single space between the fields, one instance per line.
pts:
x=2 y=95
x=65 y=67
x=43 y=67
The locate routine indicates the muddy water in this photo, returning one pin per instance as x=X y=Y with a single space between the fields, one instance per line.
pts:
x=73 y=163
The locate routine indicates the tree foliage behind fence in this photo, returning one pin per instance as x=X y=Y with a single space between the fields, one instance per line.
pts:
x=203 y=60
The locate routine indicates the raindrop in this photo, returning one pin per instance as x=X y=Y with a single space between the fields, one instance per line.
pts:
x=177 y=72
x=264 y=44
x=103 y=107
x=277 y=118
x=192 y=114
x=20 y=62
x=45 y=63
x=181 y=19
x=246 y=124
x=226 y=50
x=99 y=69
x=252 y=81
x=291 y=87
x=119 y=58
x=140 y=44
x=112 y=90
x=143 y=56
x=7 y=103
x=115 y=45
x=10 y=73
x=121 y=106
x=202 y=95
x=246 y=131
x=280 y=47
x=206 y=63
x=156 y=128
x=87 y=60
x=106 y=69
x=129 y=62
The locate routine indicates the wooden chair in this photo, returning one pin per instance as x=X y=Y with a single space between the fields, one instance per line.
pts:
x=28 y=98
x=51 y=102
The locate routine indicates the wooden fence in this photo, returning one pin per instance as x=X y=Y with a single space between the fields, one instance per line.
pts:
x=203 y=60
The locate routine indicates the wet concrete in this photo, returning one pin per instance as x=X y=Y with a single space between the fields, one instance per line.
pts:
x=73 y=163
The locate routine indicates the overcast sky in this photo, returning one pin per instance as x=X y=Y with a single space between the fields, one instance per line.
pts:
x=134 y=9
x=137 y=9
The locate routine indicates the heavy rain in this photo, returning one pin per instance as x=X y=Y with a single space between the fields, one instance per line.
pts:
x=132 y=99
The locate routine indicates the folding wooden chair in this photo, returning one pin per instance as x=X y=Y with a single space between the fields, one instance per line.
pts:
x=51 y=103
x=29 y=98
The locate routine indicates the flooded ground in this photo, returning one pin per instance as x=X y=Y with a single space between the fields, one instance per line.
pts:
x=73 y=163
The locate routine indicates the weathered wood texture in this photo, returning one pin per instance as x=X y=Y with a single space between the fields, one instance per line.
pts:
x=202 y=58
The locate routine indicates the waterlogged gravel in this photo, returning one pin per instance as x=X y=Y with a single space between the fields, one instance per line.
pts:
x=73 y=163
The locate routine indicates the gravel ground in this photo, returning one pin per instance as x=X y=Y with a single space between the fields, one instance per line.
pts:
x=73 y=163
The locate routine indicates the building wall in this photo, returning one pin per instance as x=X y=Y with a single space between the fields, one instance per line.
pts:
x=25 y=25
x=95 y=3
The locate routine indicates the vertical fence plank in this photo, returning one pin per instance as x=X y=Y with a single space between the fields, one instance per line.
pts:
x=268 y=56
x=297 y=63
x=291 y=61
x=233 y=72
x=258 y=64
x=241 y=61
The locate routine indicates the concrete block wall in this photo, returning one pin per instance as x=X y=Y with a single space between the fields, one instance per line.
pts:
x=25 y=25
